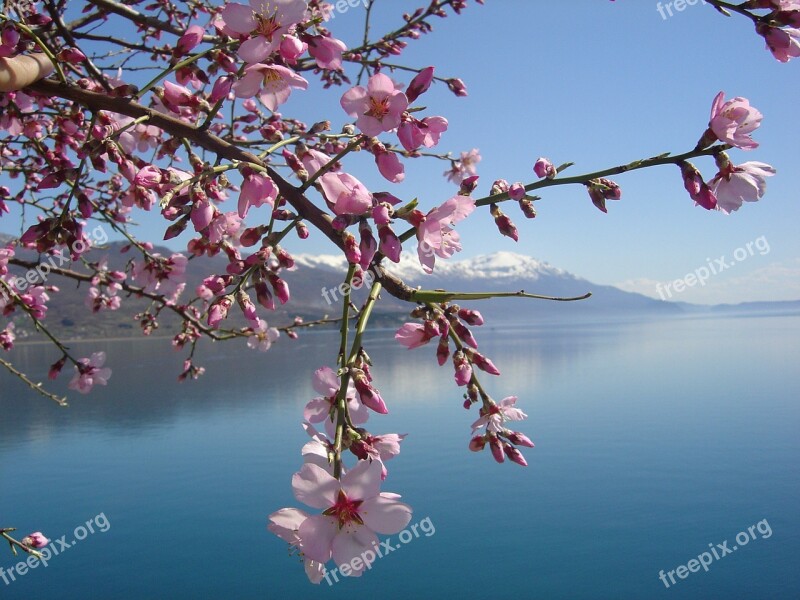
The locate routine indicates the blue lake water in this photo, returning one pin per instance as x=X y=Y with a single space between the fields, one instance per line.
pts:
x=653 y=440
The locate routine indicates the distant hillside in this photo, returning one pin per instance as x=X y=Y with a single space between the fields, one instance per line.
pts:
x=315 y=279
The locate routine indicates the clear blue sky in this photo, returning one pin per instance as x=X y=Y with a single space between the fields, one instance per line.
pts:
x=599 y=84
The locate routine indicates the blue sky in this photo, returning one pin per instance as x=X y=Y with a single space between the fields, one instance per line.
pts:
x=598 y=84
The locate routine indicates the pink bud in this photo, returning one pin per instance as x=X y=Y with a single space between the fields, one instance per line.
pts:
x=457 y=87
x=148 y=177
x=519 y=439
x=420 y=84
x=35 y=540
x=514 y=455
x=497 y=449
x=477 y=443
x=471 y=317
x=544 y=168
x=189 y=40
x=280 y=287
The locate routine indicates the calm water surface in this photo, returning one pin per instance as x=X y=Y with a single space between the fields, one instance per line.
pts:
x=653 y=440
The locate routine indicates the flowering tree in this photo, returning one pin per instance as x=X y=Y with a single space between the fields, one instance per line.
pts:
x=87 y=143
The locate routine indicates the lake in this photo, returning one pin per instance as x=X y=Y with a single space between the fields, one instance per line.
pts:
x=656 y=442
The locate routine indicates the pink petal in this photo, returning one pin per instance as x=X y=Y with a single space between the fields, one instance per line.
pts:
x=362 y=481
x=385 y=515
x=316 y=537
x=239 y=18
x=315 y=487
x=256 y=49
x=249 y=85
x=353 y=541
x=354 y=101
x=317 y=410
x=325 y=381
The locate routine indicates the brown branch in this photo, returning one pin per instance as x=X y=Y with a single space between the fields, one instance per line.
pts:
x=37 y=387
x=181 y=129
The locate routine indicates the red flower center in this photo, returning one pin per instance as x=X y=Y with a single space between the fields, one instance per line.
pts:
x=345 y=510
x=378 y=108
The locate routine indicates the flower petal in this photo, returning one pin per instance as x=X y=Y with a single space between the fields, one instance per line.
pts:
x=316 y=537
x=385 y=515
x=312 y=485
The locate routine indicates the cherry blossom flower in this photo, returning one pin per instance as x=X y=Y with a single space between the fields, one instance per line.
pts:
x=465 y=167
x=265 y=21
x=326 y=51
x=258 y=189
x=734 y=185
x=435 y=236
x=90 y=372
x=414 y=133
x=346 y=194
x=163 y=275
x=7 y=337
x=783 y=42
x=414 y=335
x=355 y=510
x=733 y=121
x=190 y=39
x=498 y=414
x=263 y=337
x=285 y=523
x=327 y=383
x=379 y=107
x=225 y=225
x=271 y=83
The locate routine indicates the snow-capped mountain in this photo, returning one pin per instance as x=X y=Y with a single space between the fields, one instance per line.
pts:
x=500 y=271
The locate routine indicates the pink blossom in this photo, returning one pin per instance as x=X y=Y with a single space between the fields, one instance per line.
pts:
x=498 y=414
x=346 y=193
x=7 y=336
x=313 y=160
x=435 y=236
x=413 y=335
x=465 y=167
x=6 y=254
x=783 y=42
x=742 y=183
x=414 y=133
x=285 y=523
x=390 y=165
x=271 y=83
x=266 y=21
x=148 y=177
x=263 y=336
x=378 y=107
x=90 y=372
x=327 y=383
x=163 y=275
x=258 y=189
x=224 y=226
x=354 y=511
x=292 y=48
x=733 y=121
x=202 y=214
x=327 y=51
x=190 y=39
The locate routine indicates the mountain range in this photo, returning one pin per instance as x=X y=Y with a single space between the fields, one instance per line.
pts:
x=315 y=278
